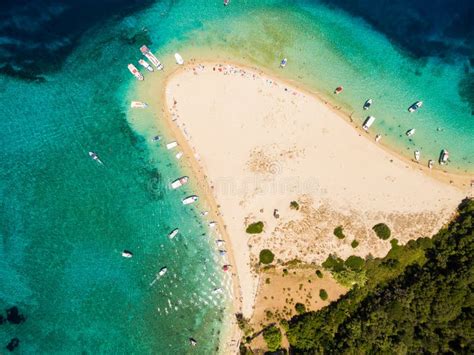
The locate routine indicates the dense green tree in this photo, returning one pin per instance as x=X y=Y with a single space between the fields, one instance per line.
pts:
x=418 y=299
x=272 y=336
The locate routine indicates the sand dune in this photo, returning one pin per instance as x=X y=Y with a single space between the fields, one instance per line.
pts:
x=262 y=143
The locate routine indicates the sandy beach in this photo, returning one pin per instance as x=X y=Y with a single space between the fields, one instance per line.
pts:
x=257 y=143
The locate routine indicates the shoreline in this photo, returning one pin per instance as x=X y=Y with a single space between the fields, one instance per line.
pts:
x=205 y=184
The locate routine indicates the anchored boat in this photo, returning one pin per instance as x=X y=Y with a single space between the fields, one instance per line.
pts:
x=127 y=254
x=283 y=63
x=443 y=157
x=367 y=104
x=415 y=106
x=145 y=65
x=173 y=233
x=147 y=53
x=179 y=182
x=190 y=199
x=368 y=122
x=138 y=104
x=338 y=90
x=179 y=59
x=410 y=132
x=133 y=69
x=417 y=155
x=95 y=157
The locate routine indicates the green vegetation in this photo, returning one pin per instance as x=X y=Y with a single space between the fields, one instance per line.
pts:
x=294 y=205
x=339 y=232
x=382 y=231
x=272 y=336
x=266 y=256
x=417 y=299
x=300 y=308
x=319 y=274
x=347 y=273
x=323 y=294
x=243 y=324
x=354 y=244
x=255 y=228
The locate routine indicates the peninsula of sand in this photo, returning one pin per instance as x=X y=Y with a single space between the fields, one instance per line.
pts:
x=261 y=143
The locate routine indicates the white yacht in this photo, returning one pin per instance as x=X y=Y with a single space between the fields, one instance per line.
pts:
x=145 y=65
x=173 y=233
x=179 y=59
x=415 y=106
x=133 y=69
x=179 y=182
x=138 y=104
x=368 y=122
x=150 y=56
x=367 y=104
x=163 y=271
x=190 y=199
x=127 y=254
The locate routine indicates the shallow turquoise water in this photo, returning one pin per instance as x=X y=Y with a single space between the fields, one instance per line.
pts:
x=65 y=219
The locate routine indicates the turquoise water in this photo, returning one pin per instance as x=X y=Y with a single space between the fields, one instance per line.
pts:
x=65 y=219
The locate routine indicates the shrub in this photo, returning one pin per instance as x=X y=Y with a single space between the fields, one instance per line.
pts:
x=339 y=232
x=300 y=308
x=354 y=244
x=284 y=324
x=382 y=231
x=272 y=336
x=255 y=228
x=319 y=274
x=294 y=205
x=323 y=294
x=355 y=263
x=266 y=256
x=334 y=263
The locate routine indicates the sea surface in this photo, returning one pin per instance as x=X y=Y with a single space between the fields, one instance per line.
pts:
x=65 y=90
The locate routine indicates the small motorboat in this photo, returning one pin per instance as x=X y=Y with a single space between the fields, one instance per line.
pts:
x=127 y=254
x=226 y=267
x=378 y=137
x=217 y=290
x=415 y=106
x=222 y=252
x=283 y=62
x=220 y=242
x=212 y=224
x=192 y=341
x=189 y=200
x=145 y=65
x=410 y=132
x=430 y=164
x=443 y=157
x=135 y=72
x=173 y=233
x=95 y=157
x=156 y=139
x=367 y=104
x=338 y=90
x=417 y=155
x=171 y=145
x=179 y=59
x=204 y=213
x=179 y=182
x=368 y=122
x=138 y=104
x=179 y=155
x=163 y=271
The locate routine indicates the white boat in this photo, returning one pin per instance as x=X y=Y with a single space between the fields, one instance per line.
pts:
x=222 y=252
x=133 y=69
x=95 y=157
x=179 y=155
x=368 y=122
x=430 y=164
x=212 y=224
x=226 y=2
x=179 y=182
x=171 y=145
x=153 y=60
x=190 y=199
x=443 y=157
x=415 y=106
x=417 y=155
x=127 y=254
x=138 y=104
x=145 y=65
x=217 y=290
x=163 y=271
x=283 y=62
x=179 y=59
x=410 y=132
x=378 y=137
x=173 y=233
x=367 y=104
x=220 y=242
x=192 y=342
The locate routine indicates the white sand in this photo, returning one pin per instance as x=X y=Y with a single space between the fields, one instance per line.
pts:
x=262 y=146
